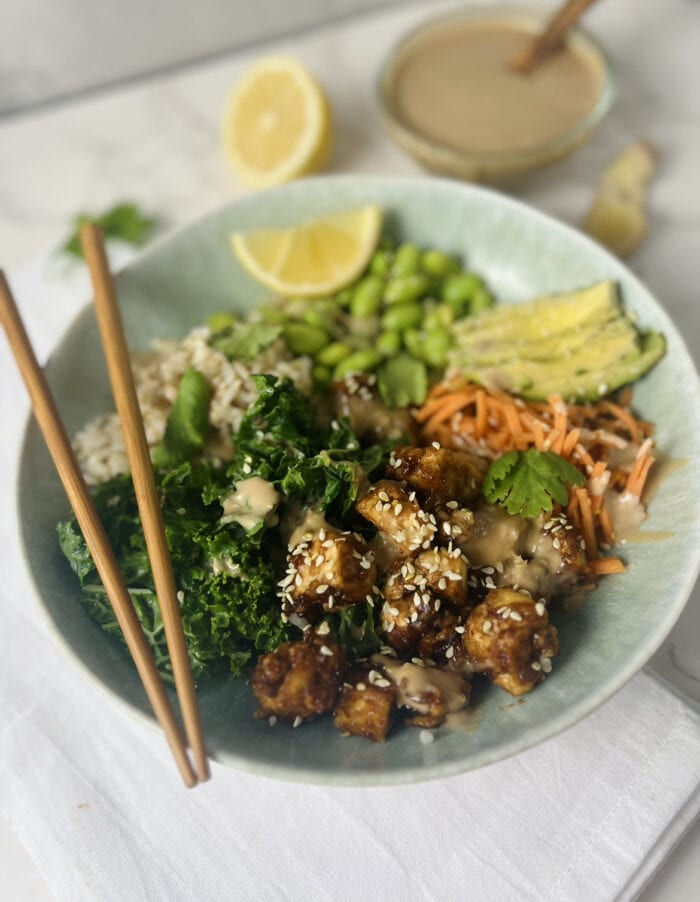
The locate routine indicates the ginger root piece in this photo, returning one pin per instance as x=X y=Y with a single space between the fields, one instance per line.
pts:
x=617 y=217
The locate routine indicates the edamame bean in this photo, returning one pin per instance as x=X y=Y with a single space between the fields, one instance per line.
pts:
x=406 y=260
x=388 y=343
x=380 y=263
x=367 y=296
x=304 y=339
x=413 y=339
x=402 y=317
x=481 y=300
x=438 y=264
x=439 y=317
x=321 y=312
x=217 y=322
x=333 y=353
x=322 y=376
x=358 y=362
x=458 y=289
x=402 y=289
x=436 y=344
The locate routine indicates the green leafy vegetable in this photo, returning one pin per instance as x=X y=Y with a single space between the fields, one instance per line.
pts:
x=403 y=381
x=244 y=341
x=357 y=631
x=188 y=422
x=229 y=608
x=529 y=482
x=125 y=222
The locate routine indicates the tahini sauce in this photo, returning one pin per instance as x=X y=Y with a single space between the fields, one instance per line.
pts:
x=454 y=85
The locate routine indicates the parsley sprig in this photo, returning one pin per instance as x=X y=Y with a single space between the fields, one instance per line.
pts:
x=530 y=482
x=125 y=222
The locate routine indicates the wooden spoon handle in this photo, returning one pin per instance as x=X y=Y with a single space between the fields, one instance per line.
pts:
x=549 y=39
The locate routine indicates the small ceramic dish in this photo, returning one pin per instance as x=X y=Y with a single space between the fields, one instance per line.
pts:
x=496 y=166
x=176 y=283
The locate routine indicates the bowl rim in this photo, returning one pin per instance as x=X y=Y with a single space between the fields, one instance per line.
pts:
x=410 y=773
x=450 y=157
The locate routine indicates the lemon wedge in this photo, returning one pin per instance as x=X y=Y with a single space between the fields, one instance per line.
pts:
x=313 y=258
x=277 y=123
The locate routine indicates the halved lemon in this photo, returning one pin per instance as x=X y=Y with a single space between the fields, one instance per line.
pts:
x=277 y=123
x=313 y=258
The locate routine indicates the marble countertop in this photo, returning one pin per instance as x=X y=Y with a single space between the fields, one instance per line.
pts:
x=157 y=142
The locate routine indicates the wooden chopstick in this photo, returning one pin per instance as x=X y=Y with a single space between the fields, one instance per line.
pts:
x=551 y=37
x=119 y=366
x=69 y=472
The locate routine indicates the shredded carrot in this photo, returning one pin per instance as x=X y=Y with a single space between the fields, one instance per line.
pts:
x=460 y=414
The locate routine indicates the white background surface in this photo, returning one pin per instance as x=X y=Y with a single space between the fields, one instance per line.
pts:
x=157 y=142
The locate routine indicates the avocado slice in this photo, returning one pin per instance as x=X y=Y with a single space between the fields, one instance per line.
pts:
x=580 y=345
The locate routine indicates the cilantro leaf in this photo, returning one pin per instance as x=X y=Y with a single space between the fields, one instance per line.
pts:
x=188 y=422
x=529 y=482
x=125 y=222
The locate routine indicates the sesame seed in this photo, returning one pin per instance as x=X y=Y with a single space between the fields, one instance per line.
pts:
x=450 y=652
x=453 y=505
x=319 y=560
x=321 y=589
x=365 y=564
x=425 y=737
x=442 y=584
x=322 y=534
x=546 y=664
x=361 y=687
x=323 y=629
x=536 y=665
x=436 y=445
x=378 y=506
x=540 y=609
x=486 y=626
x=272 y=720
x=487 y=570
x=383 y=496
x=515 y=616
x=298 y=721
x=398 y=507
x=180 y=596
x=181 y=511
x=459 y=629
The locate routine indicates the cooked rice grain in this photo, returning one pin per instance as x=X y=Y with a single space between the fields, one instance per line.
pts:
x=100 y=444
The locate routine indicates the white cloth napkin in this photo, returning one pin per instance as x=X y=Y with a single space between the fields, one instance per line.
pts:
x=590 y=814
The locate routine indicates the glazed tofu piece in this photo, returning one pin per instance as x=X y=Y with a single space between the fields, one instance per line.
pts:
x=332 y=571
x=443 y=475
x=366 y=704
x=455 y=524
x=409 y=606
x=299 y=679
x=397 y=514
x=441 y=642
x=445 y=574
x=509 y=638
x=356 y=397
x=430 y=693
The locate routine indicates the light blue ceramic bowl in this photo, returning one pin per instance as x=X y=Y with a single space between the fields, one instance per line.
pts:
x=179 y=281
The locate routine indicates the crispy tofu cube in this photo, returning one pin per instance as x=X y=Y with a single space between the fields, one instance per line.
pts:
x=445 y=574
x=332 y=571
x=409 y=606
x=455 y=525
x=443 y=475
x=398 y=515
x=366 y=705
x=299 y=679
x=441 y=642
x=509 y=637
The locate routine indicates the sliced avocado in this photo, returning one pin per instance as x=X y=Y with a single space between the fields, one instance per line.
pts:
x=580 y=345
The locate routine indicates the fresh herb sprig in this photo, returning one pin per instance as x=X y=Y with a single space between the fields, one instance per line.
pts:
x=125 y=222
x=530 y=482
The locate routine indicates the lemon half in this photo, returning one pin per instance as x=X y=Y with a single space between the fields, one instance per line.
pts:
x=313 y=258
x=277 y=123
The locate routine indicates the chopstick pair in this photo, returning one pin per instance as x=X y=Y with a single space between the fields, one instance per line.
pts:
x=59 y=446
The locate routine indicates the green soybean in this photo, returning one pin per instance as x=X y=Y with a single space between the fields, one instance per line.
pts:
x=358 y=362
x=333 y=353
x=413 y=339
x=406 y=260
x=380 y=264
x=436 y=344
x=273 y=315
x=304 y=339
x=458 y=289
x=438 y=264
x=388 y=343
x=367 y=296
x=322 y=376
x=481 y=300
x=441 y=316
x=402 y=317
x=401 y=289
